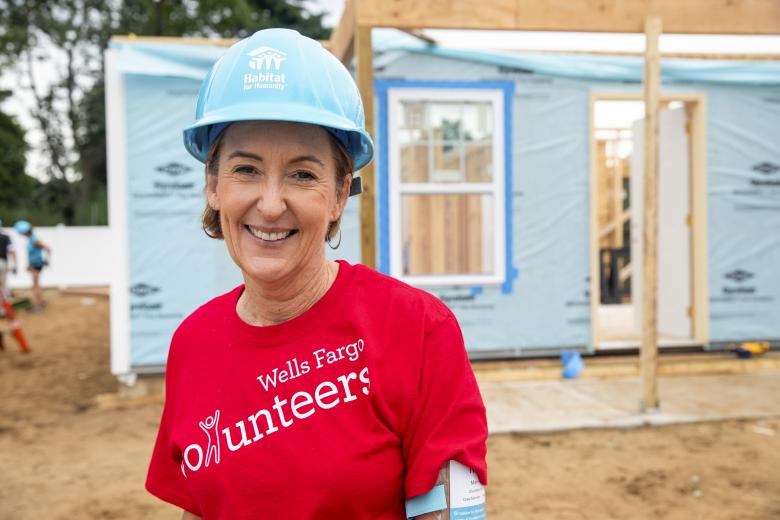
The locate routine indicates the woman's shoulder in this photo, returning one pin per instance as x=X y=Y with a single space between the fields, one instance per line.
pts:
x=391 y=295
x=208 y=314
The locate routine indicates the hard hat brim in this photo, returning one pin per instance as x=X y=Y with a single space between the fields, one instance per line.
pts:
x=197 y=141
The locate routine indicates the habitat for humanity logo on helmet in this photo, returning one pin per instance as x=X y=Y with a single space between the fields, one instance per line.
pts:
x=268 y=64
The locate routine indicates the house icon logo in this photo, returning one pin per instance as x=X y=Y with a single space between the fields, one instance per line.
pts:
x=266 y=64
x=266 y=58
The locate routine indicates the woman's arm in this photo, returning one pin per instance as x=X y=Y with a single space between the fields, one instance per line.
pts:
x=444 y=479
x=43 y=246
x=442 y=514
x=186 y=515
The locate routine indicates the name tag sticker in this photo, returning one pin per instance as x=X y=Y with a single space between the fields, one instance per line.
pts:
x=467 y=495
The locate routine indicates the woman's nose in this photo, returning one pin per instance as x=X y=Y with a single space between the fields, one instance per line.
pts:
x=271 y=201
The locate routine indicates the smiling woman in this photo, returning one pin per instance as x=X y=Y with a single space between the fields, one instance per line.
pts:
x=278 y=194
x=317 y=389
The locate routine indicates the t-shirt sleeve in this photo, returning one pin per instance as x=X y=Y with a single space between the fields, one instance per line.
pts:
x=165 y=479
x=448 y=421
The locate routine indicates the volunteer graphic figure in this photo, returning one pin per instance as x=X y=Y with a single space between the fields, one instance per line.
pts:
x=329 y=391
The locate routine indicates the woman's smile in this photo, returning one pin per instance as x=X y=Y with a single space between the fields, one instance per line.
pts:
x=268 y=236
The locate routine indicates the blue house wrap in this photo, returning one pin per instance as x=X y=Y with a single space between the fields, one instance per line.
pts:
x=544 y=302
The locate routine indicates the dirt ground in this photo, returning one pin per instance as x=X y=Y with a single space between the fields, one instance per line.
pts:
x=63 y=456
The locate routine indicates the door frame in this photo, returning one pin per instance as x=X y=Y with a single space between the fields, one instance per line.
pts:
x=697 y=219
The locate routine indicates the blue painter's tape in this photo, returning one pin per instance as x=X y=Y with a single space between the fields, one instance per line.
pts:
x=477 y=290
x=383 y=184
x=476 y=512
x=509 y=93
x=433 y=500
x=512 y=274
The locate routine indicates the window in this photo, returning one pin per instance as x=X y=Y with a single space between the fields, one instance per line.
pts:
x=446 y=181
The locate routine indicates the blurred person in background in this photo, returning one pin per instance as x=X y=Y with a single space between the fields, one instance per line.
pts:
x=7 y=261
x=38 y=257
x=317 y=389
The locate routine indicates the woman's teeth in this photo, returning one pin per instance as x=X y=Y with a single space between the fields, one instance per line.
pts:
x=269 y=237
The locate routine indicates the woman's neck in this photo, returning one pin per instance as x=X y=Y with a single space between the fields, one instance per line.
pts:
x=263 y=304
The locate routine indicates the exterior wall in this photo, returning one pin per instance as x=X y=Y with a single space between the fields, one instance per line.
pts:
x=743 y=176
x=547 y=307
x=546 y=304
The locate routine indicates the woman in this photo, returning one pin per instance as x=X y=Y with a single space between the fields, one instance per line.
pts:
x=36 y=261
x=317 y=389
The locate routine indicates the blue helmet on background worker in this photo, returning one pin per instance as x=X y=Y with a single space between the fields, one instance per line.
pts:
x=280 y=75
x=22 y=227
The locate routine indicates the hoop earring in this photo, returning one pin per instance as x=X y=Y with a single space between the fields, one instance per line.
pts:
x=338 y=244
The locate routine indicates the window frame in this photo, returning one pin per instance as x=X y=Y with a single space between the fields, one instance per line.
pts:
x=496 y=188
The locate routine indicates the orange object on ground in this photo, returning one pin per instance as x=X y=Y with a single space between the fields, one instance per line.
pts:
x=16 y=329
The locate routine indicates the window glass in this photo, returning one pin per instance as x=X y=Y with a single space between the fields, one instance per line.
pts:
x=446 y=161
x=414 y=162
x=446 y=181
x=447 y=234
x=477 y=121
x=444 y=121
x=446 y=142
x=478 y=162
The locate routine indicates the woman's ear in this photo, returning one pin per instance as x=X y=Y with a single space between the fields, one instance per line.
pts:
x=211 y=192
x=342 y=197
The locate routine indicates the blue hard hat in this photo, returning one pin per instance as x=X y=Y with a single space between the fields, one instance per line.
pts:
x=22 y=226
x=280 y=75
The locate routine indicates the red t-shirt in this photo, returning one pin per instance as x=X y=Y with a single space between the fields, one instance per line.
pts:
x=343 y=412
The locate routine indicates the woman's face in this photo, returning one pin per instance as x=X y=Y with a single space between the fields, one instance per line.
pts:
x=276 y=193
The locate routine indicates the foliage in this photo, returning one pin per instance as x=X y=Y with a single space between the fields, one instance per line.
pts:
x=16 y=186
x=68 y=106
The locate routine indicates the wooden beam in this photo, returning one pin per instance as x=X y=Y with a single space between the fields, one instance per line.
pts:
x=615 y=225
x=686 y=17
x=342 y=39
x=699 y=228
x=720 y=56
x=365 y=81
x=420 y=35
x=649 y=349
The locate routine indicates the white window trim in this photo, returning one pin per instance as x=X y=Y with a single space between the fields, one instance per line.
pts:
x=397 y=188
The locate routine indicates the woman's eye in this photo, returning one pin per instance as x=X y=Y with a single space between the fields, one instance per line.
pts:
x=303 y=175
x=245 y=169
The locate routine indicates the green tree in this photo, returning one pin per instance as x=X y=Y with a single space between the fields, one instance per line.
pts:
x=69 y=107
x=16 y=186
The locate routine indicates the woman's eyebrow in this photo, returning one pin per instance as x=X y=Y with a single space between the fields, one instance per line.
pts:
x=298 y=159
x=240 y=153
x=307 y=158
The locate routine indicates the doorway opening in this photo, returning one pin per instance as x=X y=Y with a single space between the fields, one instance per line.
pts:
x=617 y=177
